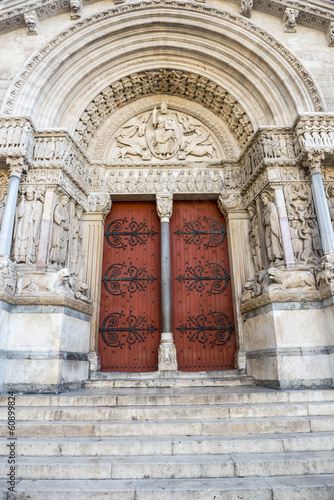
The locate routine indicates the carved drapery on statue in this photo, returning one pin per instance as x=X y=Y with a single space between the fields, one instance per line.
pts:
x=163 y=134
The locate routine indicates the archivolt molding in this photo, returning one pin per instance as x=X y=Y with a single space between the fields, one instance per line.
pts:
x=189 y=86
x=291 y=61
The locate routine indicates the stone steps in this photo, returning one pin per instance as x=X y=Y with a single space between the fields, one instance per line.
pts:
x=177 y=467
x=172 y=445
x=185 y=443
x=317 y=487
x=171 y=412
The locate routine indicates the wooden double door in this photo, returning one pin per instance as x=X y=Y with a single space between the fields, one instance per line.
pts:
x=130 y=313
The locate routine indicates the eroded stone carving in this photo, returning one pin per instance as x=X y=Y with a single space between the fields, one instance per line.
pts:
x=330 y=201
x=31 y=21
x=100 y=203
x=287 y=278
x=167 y=356
x=163 y=134
x=246 y=8
x=75 y=241
x=76 y=9
x=8 y=276
x=60 y=232
x=290 y=20
x=330 y=34
x=28 y=217
x=325 y=275
x=255 y=237
x=273 y=235
x=315 y=132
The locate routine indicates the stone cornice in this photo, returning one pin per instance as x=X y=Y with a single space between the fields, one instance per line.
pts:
x=317 y=14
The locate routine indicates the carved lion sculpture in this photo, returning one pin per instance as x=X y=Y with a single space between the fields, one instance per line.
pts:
x=325 y=275
x=291 y=278
x=54 y=283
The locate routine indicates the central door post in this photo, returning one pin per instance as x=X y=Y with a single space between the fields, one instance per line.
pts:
x=167 y=350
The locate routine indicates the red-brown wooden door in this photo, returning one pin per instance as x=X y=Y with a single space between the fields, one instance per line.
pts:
x=203 y=322
x=130 y=298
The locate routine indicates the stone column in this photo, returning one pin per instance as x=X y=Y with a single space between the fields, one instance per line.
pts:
x=93 y=231
x=321 y=207
x=284 y=225
x=16 y=167
x=240 y=257
x=167 y=350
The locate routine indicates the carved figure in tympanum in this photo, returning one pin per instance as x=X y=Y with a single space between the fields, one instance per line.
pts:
x=28 y=217
x=60 y=231
x=273 y=235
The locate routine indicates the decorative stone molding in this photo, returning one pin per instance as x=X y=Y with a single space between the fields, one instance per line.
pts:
x=164 y=81
x=330 y=34
x=16 y=166
x=309 y=14
x=31 y=21
x=315 y=132
x=164 y=206
x=202 y=180
x=246 y=7
x=76 y=9
x=290 y=20
x=100 y=202
x=239 y=21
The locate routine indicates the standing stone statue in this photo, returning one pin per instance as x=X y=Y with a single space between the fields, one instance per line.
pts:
x=75 y=242
x=61 y=224
x=330 y=201
x=297 y=242
x=272 y=230
x=28 y=219
x=255 y=238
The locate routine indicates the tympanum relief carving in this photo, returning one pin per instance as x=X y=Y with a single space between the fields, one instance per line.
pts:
x=163 y=134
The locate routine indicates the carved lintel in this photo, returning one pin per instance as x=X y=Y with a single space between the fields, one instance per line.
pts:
x=167 y=356
x=16 y=166
x=100 y=202
x=290 y=20
x=330 y=35
x=76 y=9
x=164 y=206
x=314 y=161
x=230 y=201
x=246 y=7
x=31 y=21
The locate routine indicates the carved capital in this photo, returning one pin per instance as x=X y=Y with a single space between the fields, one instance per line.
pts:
x=100 y=203
x=230 y=202
x=314 y=161
x=16 y=166
x=164 y=206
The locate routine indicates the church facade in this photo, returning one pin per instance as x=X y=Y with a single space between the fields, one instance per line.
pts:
x=166 y=190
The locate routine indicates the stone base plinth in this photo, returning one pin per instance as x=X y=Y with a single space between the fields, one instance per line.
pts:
x=43 y=348
x=290 y=345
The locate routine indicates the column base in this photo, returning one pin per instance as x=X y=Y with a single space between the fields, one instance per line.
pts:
x=167 y=355
x=94 y=361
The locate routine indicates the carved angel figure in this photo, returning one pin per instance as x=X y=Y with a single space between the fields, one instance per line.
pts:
x=272 y=230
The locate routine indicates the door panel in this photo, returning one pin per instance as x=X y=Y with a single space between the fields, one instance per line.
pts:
x=202 y=300
x=130 y=294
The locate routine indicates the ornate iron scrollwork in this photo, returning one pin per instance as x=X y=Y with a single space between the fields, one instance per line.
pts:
x=135 y=279
x=136 y=233
x=196 y=279
x=194 y=232
x=133 y=329
x=200 y=328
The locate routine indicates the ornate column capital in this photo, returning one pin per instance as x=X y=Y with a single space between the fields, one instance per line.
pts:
x=314 y=160
x=230 y=202
x=16 y=166
x=100 y=202
x=164 y=206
